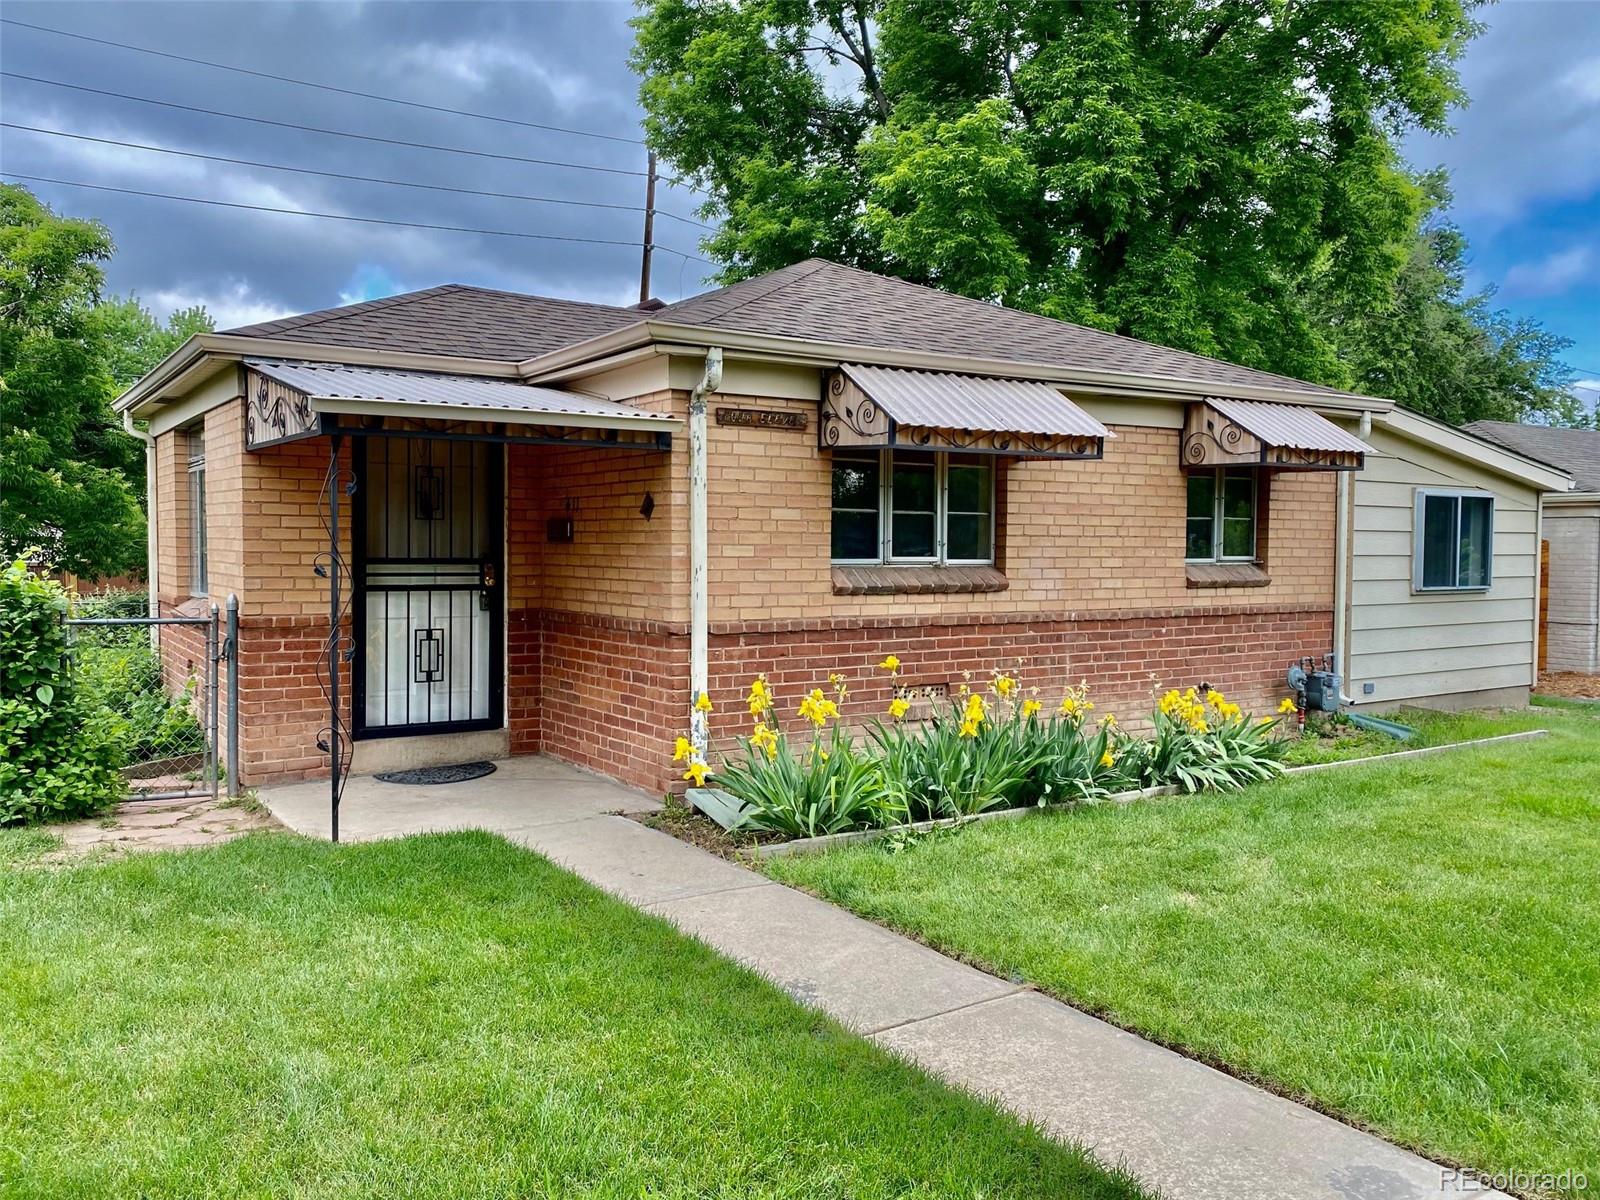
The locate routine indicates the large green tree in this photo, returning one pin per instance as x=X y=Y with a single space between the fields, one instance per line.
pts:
x=1447 y=353
x=1179 y=170
x=70 y=478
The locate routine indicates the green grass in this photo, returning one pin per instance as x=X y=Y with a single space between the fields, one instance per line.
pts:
x=25 y=843
x=1341 y=741
x=446 y=1016
x=1412 y=945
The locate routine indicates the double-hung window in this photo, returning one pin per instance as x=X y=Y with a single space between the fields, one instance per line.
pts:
x=1452 y=541
x=1221 y=525
x=198 y=584
x=910 y=506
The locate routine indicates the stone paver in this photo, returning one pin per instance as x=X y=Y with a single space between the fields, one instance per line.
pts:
x=1193 y=1132
x=160 y=825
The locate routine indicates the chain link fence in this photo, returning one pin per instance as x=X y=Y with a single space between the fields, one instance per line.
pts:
x=158 y=677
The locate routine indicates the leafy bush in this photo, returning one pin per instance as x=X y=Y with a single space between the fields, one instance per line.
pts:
x=122 y=679
x=977 y=752
x=1205 y=743
x=58 y=758
x=972 y=756
x=828 y=787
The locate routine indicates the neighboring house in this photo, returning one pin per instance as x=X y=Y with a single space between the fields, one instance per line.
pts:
x=1443 y=594
x=1572 y=529
x=886 y=468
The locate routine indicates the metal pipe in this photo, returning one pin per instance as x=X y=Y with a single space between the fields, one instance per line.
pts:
x=699 y=597
x=334 y=638
x=232 y=654
x=213 y=657
x=151 y=544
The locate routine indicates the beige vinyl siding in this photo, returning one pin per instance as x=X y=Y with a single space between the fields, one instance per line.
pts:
x=1417 y=647
x=1573 y=531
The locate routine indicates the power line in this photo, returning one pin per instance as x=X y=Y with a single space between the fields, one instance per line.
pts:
x=432 y=187
x=344 y=133
x=326 y=87
x=297 y=212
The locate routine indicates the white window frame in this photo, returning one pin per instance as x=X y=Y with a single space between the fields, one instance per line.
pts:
x=1418 y=528
x=886 y=556
x=199 y=574
x=1218 y=474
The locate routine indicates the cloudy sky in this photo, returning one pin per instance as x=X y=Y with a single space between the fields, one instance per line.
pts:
x=1525 y=156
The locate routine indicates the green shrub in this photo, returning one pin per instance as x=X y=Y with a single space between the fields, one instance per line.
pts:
x=123 y=680
x=972 y=756
x=1205 y=743
x=58 y=759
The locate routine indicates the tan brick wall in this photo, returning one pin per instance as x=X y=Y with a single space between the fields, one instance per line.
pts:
x=597 y=647
x=1103 y=534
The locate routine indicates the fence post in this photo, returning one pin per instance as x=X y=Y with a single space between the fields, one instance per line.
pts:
x=232 y=653
x=212 y=688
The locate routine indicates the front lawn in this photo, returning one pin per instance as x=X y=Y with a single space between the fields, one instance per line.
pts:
x=440 y=1016
x=1411 y=945
x=1339 y=740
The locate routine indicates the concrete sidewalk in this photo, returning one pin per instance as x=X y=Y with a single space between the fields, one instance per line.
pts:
x=1181 y=1127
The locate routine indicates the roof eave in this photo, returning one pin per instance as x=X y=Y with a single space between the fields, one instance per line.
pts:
x=576 y=359
x=204 y=353
x=1470 y=447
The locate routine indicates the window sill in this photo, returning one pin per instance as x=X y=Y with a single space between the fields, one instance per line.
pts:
x=1225 y=575
x=865 y=580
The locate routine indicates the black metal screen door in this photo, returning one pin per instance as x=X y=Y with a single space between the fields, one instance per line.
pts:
x=428 y=524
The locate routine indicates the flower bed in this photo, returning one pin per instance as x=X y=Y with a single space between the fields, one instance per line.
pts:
x=983 y=750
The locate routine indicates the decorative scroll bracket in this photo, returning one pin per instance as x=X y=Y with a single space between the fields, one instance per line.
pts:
x=275 y=413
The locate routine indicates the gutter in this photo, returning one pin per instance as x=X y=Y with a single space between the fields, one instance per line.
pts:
x=1344 y=568
x=699 y=594
x=151 y=544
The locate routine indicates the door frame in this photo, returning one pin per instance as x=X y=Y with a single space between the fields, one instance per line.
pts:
x=494 y=481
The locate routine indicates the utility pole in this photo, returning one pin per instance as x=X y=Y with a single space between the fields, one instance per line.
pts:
x=649 y=229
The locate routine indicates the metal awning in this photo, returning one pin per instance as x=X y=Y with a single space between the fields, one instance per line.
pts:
x=288 y=400
x=875 y=407
x=1222 y=432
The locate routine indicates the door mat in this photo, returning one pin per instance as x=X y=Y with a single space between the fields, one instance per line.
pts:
x=455 y=773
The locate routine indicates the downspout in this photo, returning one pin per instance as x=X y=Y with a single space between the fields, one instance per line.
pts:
x=699 y=595
x=1343 y=568
x=150 y=541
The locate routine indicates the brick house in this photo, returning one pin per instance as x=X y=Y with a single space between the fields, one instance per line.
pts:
x=511 y=481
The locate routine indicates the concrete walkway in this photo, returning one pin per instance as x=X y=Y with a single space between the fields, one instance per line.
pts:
x=1181 y=1127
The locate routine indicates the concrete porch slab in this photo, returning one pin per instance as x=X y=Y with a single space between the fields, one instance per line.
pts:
x=523 y=793
x=863 y=976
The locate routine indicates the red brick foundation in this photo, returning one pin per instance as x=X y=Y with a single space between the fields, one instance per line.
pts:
x=610 y=694
x=1243 y=652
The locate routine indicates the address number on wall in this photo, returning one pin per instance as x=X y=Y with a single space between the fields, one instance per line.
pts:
x=765 y=418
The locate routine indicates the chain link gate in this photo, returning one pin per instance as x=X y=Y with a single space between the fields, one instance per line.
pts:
x=158 y=681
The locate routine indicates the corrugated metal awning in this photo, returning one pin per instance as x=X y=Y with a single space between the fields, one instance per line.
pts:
x=942 y=401
x=885 y=406
x=1288 y=425
x=1219 y=432
x=374 y=391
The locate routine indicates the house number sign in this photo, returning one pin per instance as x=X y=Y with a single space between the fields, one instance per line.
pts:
x=761 y=417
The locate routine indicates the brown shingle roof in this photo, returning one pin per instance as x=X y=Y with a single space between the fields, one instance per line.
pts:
x=1575 y=451
x=824 y=301
x=454 y=320
x=815 y=300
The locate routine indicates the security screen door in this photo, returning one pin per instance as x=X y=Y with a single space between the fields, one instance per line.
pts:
x=428 y=524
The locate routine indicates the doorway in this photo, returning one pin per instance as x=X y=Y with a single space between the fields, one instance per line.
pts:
x=428 y=573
